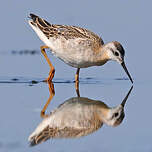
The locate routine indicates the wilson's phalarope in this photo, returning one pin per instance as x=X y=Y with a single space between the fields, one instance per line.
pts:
x=76 y=117
x=78 y=47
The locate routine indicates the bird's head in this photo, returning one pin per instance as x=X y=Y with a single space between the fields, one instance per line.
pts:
x=115 y=115
x=116 y=52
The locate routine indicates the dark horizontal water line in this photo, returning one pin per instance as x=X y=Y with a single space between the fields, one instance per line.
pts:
x=18 y=80
x=21 y=52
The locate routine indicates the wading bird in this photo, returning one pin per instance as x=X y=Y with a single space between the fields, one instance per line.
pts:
x=76 y=46
x=76 y=117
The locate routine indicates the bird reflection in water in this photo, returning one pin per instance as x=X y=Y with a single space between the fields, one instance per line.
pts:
x=76 y=117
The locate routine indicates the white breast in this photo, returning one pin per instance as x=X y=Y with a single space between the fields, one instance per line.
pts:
x=70 y=51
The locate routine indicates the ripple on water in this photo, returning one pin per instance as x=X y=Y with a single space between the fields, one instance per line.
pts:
x=88 y=80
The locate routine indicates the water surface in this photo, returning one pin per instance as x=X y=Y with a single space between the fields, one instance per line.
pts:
x=23 y=69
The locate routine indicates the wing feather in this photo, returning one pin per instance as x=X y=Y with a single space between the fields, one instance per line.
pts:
x=68 y=32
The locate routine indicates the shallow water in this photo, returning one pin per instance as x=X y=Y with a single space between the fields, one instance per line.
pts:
x=23 y=69
x=23 y=97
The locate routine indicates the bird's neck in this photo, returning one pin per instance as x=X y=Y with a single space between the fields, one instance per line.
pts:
x=103 y=111
x=102 y=56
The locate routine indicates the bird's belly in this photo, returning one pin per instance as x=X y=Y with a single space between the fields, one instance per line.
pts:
x=70 y=51
x=73 y=54
x=74 y=59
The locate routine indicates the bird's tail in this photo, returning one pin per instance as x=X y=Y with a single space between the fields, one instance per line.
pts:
x=37 y=139
x=37 y=21
x=33 y=17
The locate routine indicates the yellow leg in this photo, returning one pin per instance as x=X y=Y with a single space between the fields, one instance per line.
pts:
x=52 y=93
x=77 y=82
x=77 y=88
x=77 y=75
x=52 y=70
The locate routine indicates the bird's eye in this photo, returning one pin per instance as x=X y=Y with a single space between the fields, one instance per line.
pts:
x=116 y=53
x=116 y=114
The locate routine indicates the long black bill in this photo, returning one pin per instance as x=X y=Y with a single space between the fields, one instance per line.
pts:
x=125 y=99
x=125 y=68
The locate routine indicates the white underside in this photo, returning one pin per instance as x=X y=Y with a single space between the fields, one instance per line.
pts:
x=70 y=51
x=73 y=115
